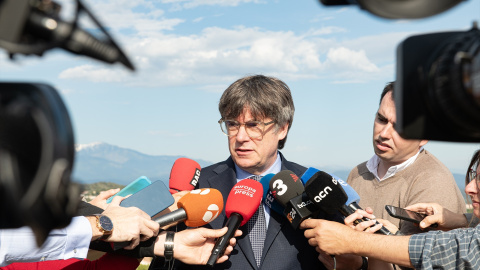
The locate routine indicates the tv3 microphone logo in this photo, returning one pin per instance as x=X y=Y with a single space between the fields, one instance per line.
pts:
x=280 y=187
x=195 y=178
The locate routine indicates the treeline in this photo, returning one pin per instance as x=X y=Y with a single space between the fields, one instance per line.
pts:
x=95 y=188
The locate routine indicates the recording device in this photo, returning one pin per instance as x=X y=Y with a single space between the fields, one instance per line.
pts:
x=407 y=215
x=268 y=198
x=152 y=199
x=33 y=27
x=288 y=190
x=394 y=9
x=331 y=194
x=243 y=201
x=184 y=175
x=196 y=208
x=134 y=187
x=437 y=91
x=36 y=159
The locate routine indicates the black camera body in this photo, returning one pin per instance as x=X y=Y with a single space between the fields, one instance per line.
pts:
x=437 y=90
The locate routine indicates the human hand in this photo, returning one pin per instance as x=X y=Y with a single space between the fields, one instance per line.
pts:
x=330 y=237
x=177 y=196
x=194 y=246
x=101 y=199
x=446 y=219
x=130 y=224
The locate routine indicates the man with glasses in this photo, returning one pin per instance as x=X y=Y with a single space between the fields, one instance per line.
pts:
x=256 y=115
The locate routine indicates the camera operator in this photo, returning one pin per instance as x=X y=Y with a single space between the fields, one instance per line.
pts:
x=455 y=249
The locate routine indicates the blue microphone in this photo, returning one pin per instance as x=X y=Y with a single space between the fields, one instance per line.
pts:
x=268 y=197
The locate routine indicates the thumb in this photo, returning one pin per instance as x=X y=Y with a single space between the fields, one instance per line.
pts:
x=209 y=233
x=116 y=200
x=427 y=221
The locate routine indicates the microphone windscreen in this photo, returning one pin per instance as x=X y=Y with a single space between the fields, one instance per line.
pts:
x=184 y=175
x=268 y=198
x=351 y=193
x=325 y=192
x=244 y=199
x=201 y=206
x=286 y=185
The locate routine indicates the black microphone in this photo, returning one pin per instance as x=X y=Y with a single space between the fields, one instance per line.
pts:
x=331 y=194
x=288 y=190
x=25 y=28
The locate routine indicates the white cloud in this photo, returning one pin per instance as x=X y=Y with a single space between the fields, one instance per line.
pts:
x=94 y=73
x=186 y=4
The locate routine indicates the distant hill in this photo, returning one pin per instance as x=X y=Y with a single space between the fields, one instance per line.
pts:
x=102 y=162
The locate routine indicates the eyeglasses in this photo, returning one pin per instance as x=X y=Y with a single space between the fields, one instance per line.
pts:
x=254 y=129
x=472 y=175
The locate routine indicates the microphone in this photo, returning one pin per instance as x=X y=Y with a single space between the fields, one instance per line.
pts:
x=288 y=190
x=32 y=27
x=184 y=175
x=196 y=208
x=268 y=197
x=330 y=194
x=243 y=201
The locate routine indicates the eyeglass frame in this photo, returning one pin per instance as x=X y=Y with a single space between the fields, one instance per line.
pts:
x=473 y=175
x=243 y=124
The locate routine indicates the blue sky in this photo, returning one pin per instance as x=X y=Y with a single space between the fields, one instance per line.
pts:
x=335 y=60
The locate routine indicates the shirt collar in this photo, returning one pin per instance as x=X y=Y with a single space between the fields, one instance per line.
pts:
x=275 y=168
x=372 y=166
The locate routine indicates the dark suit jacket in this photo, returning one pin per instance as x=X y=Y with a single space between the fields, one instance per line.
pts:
x=285 y=248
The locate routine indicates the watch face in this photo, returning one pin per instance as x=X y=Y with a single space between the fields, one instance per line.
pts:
x=106 y=223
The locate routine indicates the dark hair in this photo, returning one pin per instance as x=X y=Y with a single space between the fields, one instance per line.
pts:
x=473 y=163
x=388 y=88
x=264 y=96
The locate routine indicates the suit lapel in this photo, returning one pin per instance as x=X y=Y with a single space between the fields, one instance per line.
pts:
x=224 y=180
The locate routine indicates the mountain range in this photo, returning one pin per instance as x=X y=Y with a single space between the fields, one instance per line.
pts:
x=102 y=162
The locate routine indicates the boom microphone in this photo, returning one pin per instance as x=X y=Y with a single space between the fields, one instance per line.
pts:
x=243 y=201
x=196 y=208
x=184 y=175
x=331 y=194
x=288 y=189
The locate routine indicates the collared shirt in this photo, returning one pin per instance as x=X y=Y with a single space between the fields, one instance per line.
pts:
x=455 y=249
x=19 y=245
x=275 y=168
x=372 y=166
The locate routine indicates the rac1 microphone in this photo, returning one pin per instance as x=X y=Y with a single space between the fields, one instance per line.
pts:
x=330 y=194
x=243 y=201
x=268 y=198
x=288 y=190
x=184 y=175
x=196 y=208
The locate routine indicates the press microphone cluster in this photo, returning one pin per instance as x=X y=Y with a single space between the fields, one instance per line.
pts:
x=332 y=194
x=287 y=188
x=243 y=201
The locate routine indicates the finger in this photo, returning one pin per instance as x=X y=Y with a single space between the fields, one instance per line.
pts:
x=116 y=200
x=362 y=226
x=233 y=241
x=312 y=242
x=428 y=221
x=238 y=233
x=419 y=207
x=133 y=243
x=309 y=223
x=350 y=220
x=374 y=228
x=210 y=233
x=369 y=210
x=153 y=226
x=107 y=193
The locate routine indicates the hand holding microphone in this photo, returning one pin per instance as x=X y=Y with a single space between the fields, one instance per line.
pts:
x=243 y=201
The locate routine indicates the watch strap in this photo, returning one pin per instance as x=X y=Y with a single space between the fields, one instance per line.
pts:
x=168 y=247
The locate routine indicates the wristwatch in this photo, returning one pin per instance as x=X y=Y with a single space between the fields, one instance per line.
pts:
x=105 y=225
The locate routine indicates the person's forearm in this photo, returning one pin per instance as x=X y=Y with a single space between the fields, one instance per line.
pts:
x=392 y=249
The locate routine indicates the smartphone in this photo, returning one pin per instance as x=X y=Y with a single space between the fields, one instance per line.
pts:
x=134 y=187
x=405 y=214
x=152 y=199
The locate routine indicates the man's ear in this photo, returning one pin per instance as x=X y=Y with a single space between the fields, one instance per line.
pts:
x=423 y=142
x=283 y=131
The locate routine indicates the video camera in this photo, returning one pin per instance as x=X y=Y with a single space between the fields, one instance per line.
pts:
x=437 y=86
